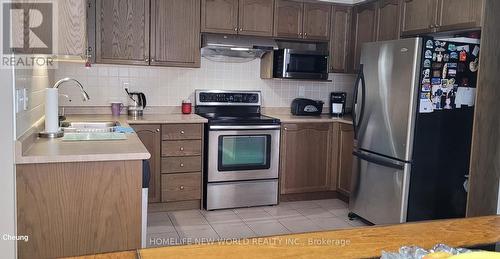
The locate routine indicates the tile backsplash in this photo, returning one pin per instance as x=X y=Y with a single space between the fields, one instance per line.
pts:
x=167 y=86
x=34 y=81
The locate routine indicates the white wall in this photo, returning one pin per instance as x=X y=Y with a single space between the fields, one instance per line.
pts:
x=7 y=180
x=168 y=86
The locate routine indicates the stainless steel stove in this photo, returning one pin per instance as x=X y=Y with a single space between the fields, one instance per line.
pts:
x=241 y=151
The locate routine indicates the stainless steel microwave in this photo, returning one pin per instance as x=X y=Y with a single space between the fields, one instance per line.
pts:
x=300 y=64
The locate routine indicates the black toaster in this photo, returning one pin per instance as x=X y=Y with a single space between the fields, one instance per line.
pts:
x=306 y=107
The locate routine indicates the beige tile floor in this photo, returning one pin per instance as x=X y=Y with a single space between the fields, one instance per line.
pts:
x=194 y=226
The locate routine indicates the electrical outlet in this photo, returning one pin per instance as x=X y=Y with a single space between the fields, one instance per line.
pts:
x=21 y=100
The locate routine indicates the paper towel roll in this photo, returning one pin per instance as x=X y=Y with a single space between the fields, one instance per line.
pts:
x=51 y=110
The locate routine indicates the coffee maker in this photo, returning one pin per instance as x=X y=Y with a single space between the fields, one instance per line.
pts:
x=337 y=103
x=136 y=103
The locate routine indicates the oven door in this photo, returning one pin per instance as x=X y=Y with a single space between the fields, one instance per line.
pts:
x=243 y=152
x=305 y=64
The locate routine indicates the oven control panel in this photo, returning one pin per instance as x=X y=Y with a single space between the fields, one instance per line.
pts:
x=225 y=98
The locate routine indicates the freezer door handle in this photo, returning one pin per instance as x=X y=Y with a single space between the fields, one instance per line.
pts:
x=379 y=161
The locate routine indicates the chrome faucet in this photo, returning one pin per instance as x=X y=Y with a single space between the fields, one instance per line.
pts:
x=85 y=95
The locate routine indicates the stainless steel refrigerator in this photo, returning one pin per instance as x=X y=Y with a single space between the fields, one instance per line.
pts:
x=412 y=133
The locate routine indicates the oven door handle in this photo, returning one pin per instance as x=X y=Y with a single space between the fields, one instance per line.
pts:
x=245 y=127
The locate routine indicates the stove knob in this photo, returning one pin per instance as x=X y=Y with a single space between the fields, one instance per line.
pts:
x=181 y=165
x=182 y=132
x=181 y=149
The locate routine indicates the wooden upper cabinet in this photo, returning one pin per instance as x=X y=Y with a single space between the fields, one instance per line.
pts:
x=72 y=27
x=364 y=17
x=305 y=157
x=388 y=20
x=339 y=38
x=418 y=16
x=316 y=24
x=256 y=17
x=122 y=32
x=219 y=16
x=459 y=14
x=150 y=136
x=175 y=33
x=288 y=17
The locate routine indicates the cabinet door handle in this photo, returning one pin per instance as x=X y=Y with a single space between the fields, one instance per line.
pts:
x=235 y=29
x=182 y=132
x=305 y=34
x=181 y=165
x=181 y=187
x=146 y=60
x=241 y=29
x=300 y=34
x=157 y=130
x=152 y=60
x=181 y=149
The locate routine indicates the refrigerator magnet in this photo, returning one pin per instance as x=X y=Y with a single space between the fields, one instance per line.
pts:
x=426 y=81
x=436 y=73
x=463 y=56
x=427 y=63
x=437 y=65
x=452 y=65
x=428 y=54
x=454 y=55
x=437 y=43
x=427 y=73
x=463 y=48
x=426 y=106
x=429 y=44
x=444 y=82
x=436 y=81
x=439 y=57
x=426 y=88
x=452 y=47
x=446 y=57
x=452 y=72
x=474 y=65
x=475 y=51
x=440 y=49
x=445 y=69
x=434 y=56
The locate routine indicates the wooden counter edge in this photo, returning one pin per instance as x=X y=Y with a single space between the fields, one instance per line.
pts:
x=364 y=242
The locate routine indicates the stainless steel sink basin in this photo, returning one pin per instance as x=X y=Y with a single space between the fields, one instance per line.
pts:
x=89 y=126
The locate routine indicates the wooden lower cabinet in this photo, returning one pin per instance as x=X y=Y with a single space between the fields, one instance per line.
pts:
x=78 y=208
x=180 y=187
x=177 y=155
x=305 y=157
x=344 y=167
x=150 y=136
x=316 y=158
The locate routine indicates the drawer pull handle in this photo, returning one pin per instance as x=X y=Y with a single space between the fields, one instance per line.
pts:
x=157 y=130
x=181 y=187
x=182 y=164
x=181 y=149
x=182 y=132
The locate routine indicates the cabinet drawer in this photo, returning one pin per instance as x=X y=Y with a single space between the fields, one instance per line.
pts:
x=180 y=187
x=181 y=148
x=181 y=131
x=180 y=164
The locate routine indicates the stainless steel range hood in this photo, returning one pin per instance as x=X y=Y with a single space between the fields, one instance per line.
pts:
x=235 y=48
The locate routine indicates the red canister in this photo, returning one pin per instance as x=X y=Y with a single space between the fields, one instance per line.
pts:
x=186 y=107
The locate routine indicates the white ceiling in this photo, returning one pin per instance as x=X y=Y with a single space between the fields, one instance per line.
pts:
x=343 y=1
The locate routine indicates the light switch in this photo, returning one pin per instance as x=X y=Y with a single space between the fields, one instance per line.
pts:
x=25 y=99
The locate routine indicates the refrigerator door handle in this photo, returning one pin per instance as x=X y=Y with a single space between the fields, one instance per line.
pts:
x=355 y=120
x=379 y=161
